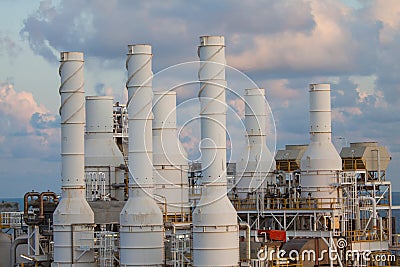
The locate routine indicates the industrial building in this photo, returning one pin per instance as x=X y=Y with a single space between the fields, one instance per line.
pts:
x=130 y=196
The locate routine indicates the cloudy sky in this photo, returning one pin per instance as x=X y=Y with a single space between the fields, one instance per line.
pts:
x=281 y=45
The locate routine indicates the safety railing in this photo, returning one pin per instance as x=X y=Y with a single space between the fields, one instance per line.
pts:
x=285 y=203
x=367 y=235
x=11 y=220
x=178 y=217
x=353 y=164
x=286 y=262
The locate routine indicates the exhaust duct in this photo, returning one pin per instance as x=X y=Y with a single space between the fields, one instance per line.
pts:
x=104 y=161
x=141 y=220
x=320 y=162
x=215 y=227
x=257 y=161
x=73 y=219
x=169 y=157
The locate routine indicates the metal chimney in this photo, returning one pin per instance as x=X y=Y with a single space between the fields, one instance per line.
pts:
x=73 y=218
x=256 y=161
x=141 y=220
x=169 y=156
x=215 y=228
x=104 y=162
x=321 y=162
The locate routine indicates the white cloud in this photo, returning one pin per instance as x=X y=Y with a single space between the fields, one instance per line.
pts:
x=329 y=41
x=388 y=13
x=28 y=128
x=283 y=46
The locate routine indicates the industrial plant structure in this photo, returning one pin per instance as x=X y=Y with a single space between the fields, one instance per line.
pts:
x=130 y=196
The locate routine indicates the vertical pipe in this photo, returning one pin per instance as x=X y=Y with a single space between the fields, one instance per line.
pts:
x=374 y=213
x=321 y=161
x=256 y=161
x=73 y=218
x=141 y=221
x=169 y=157
x=215 y=227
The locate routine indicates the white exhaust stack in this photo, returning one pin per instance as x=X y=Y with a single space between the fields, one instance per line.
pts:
x=141 y=220
x=215 y=227
x=73 y=218
x=257 y=161
x=321 y=162
x=169 y=157
x=104 y=162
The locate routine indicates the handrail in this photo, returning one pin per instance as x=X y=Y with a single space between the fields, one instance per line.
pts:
x=285 y=203
x=366 y=235
x=11 y=219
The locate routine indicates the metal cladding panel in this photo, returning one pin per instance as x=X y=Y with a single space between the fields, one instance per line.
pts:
x=99 y=114
x=73 y=214
x=215 y=229
x=169 y=157
x=321 y=156
x=212 y=56
x=255 y=111
x=256 y=161
x=5 y=245
x=72 y=111
x=72 y=108
x=167 y=149
x=73 y=209
x=101 y=150
x=223 y=252
x=141 y=213
x=212 y=98
x=320 y=108
x=370 y=153
x=291 y=153
x=140 y=154
x=140 y=69
x=164 y=110
x=320 y=161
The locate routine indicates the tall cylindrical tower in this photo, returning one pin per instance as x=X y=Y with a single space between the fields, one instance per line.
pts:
x=215 y=228
x=141 y=220
x=73 y=218
x=256 y=161
x=321 y=162
x=169 y=156
x=104 y=162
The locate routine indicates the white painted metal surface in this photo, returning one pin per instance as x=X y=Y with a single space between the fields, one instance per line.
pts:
x=321 y=162
x=5 y=245
x=141 y=220
x=169 y=156
x=73 y=218
x=256 y=161
x=374 y=215
x=215 y=228
x=104 y=162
